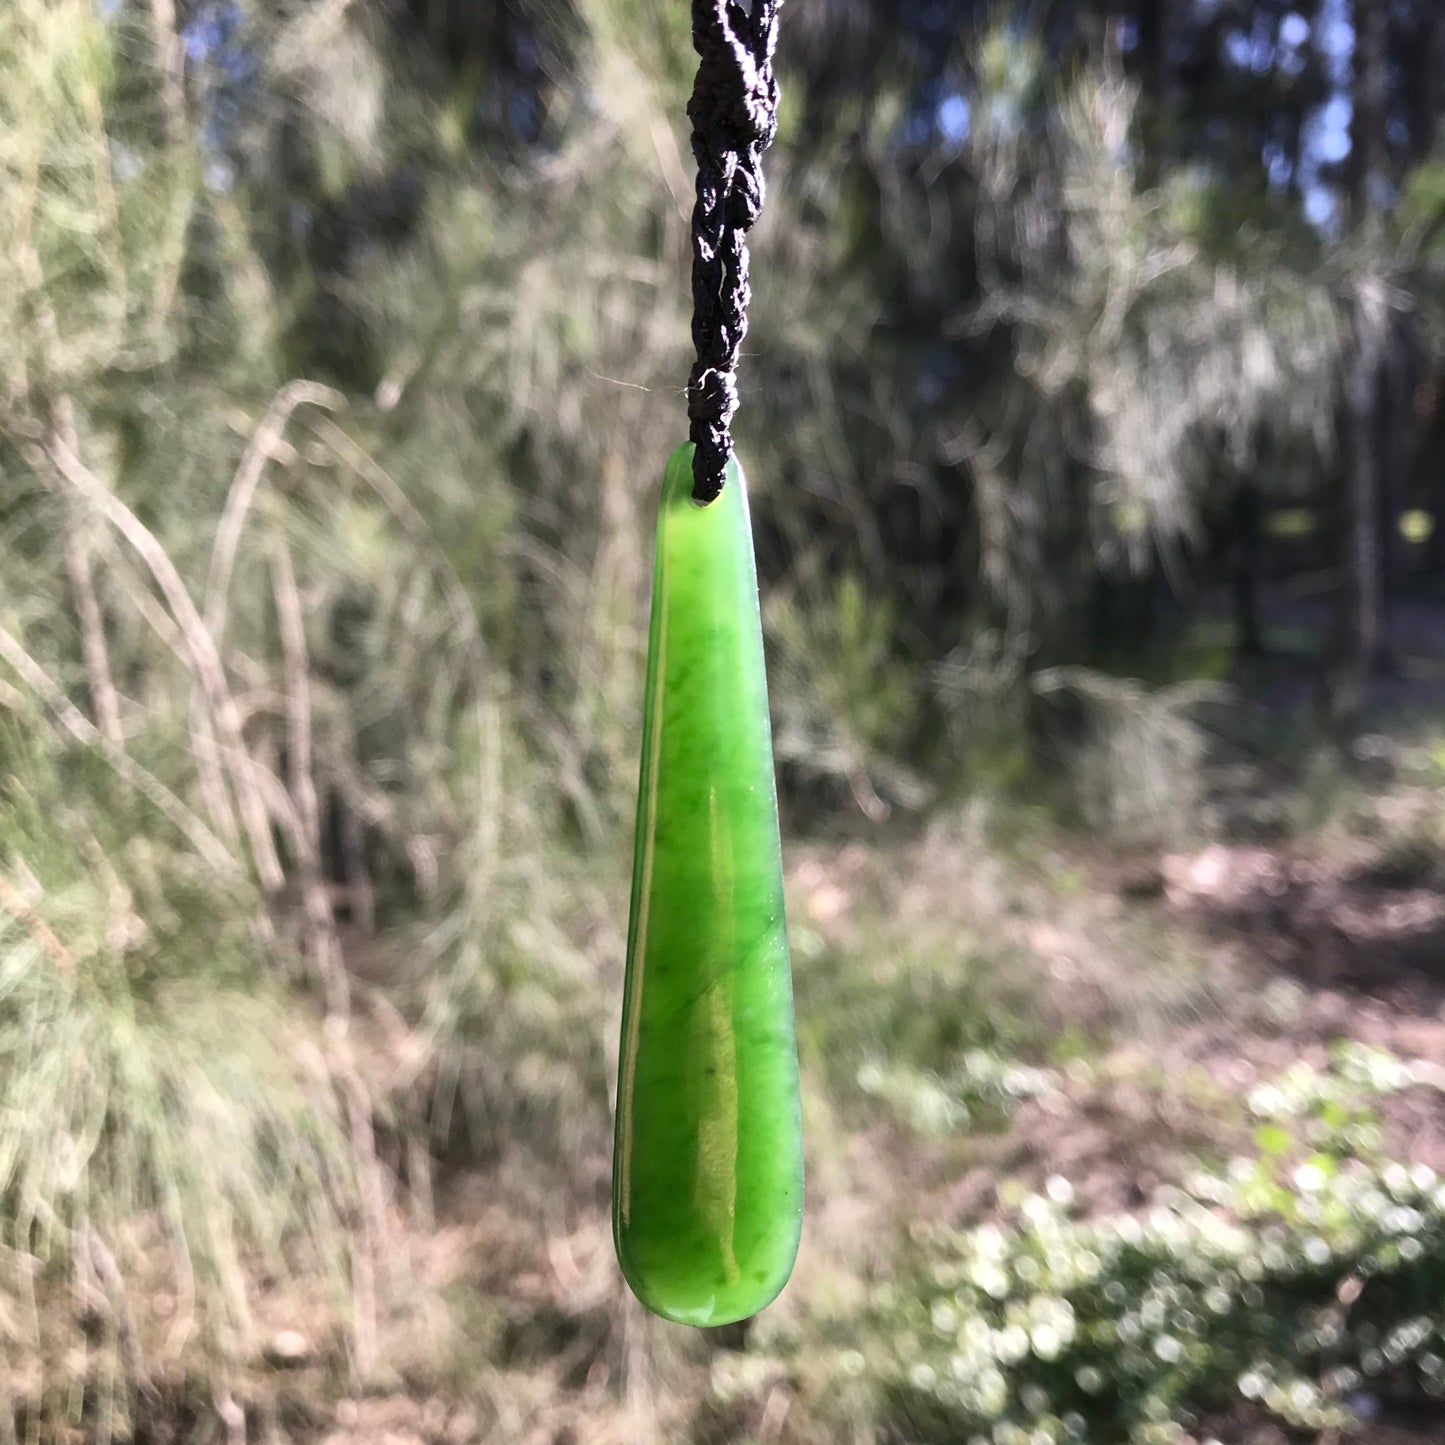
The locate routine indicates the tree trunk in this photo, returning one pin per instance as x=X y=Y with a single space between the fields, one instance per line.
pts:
x=1362 y=634
x=1155 y=26
x=1244 y=570
x=1401 y=374
x=171 y=63
x=1364 y=638
x=1425 y=80
x=1430 y=479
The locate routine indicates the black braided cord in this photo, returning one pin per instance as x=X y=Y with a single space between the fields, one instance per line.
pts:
x=733 y=110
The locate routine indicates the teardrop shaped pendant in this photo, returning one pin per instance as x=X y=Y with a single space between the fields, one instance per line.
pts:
x=707 y=1175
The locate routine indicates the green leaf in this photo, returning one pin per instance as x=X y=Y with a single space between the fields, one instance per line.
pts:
x=1272 y=1140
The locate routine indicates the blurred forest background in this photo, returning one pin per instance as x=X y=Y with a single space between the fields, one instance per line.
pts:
x=1095 y=409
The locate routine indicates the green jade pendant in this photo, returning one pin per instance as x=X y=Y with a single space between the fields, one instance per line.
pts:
x=707 y=1176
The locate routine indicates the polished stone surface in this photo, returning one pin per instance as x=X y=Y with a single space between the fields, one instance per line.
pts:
x=707 y=1168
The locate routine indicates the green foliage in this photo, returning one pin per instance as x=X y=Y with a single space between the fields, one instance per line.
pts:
x=1137 y=754
x=1148 y=368
x=980 y=1091
x=1422 y=203
x=158 y=1095
x=92 y=226
x=1287 y=1285
x=844 y=704
x=925 y=1022
x=250 y=709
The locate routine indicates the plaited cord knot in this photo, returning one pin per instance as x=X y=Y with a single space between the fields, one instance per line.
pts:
x=734 y=111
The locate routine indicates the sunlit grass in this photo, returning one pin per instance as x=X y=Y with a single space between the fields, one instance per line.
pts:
x=168 y=1119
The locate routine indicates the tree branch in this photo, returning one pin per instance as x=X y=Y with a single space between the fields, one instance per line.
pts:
x=84 y=731
x=200 y=648
x=243 y=491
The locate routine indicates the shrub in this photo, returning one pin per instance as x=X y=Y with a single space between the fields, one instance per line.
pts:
x=1286 y=1281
